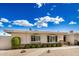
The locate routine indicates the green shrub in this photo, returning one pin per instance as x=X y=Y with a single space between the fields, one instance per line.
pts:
x=59 y=45
x=27 y=46
x=33 y=45
x=44 y=45
x=49 y=45
x=53 y=45
x=39 y=46
x=16 y=41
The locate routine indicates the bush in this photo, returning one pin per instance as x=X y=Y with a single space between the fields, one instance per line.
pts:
x=59 y=45
x=16 y=41
x=49 y=45
x=39 y=46
x=33 y=45
x=27 y=46
x=53 y=45
x=44 y=45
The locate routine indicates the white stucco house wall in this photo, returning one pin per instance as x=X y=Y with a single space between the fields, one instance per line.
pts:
x=29 y=37
x=41 y=36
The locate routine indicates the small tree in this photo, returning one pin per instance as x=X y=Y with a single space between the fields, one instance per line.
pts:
x=16 y=41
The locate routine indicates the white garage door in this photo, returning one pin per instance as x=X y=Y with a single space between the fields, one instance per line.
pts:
x=5 y=43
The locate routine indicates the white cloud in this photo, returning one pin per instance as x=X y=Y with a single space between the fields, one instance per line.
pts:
x=58 y=19
x=78 y=10
x=1 y=24
x=54 y=5
x=72 y=22
x=22 y=23
x=36 y=19
x=45 y=24
x=41 y=24
x=43 y=21
x=9 y=25
x=4 y=20
x=48 y=13
x=52 y=9
x=77 y=17
x=39 y=4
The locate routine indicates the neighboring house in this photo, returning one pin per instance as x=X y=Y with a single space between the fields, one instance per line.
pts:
x=28 y=37
x=5 y=41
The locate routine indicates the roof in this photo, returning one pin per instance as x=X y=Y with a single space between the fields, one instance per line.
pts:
x=44 y=32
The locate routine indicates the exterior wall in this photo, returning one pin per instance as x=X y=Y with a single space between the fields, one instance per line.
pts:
x=22 y=36
x=26 y=38
x=5 y=42
x=43 y=38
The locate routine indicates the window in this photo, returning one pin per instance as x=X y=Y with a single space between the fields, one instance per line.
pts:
x=35 y=38
x=52 y=38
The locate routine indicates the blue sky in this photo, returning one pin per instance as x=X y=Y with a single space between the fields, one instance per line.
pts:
x=47 y=16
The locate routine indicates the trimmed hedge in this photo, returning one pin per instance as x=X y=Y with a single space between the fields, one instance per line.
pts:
x=42 y=45
x=27 y=46
x=16 y=41
x=58 y=45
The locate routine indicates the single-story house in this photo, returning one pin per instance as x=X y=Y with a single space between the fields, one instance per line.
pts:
x=28 y=37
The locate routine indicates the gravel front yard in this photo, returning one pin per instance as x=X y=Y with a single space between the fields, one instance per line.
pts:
x=63 y=52
x=57 y=51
